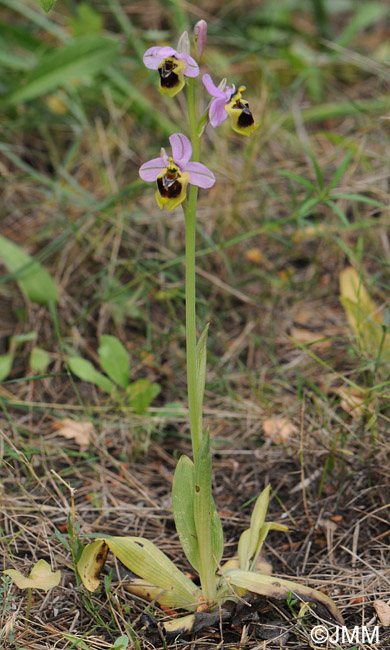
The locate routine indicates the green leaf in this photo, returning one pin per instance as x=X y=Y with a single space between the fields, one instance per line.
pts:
x=358 y=197
x=82 y=57
x=207 y=522
x=39 y=359
x=183 y=509
x=252 y=539
x=32 y=278
x=299 y=179
x=340 y=172
x=84 y=370
x=278 y=588
x=258 y=516
x=24 y=338
x=121 y=643
x=6 y=361
x=243 y=549
x=307 y=206
x=201 y=357
x=114 y=360
x=141 y=393
x=249 y=538
x=47 y=4
x=41 y=577
x=317 y=170
x=217 y=541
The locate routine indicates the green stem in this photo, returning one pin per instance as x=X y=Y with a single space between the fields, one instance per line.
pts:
x=190 y=218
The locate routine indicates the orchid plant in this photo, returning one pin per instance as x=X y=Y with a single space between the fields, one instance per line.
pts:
x=177 y=178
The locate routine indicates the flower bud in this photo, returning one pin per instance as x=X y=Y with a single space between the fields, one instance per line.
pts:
x=200 y=35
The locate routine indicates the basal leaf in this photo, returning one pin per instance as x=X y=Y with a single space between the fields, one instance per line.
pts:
x=206 y=519
x=264 y=530
x=32 y=278
x=144 y=589
x=249 y=538
x=217 y=541
x=91 y=563
x=243 y=549
x=114 y=360
x=84 y=370
x=279 y=588
x=258 y=516
x=147 y=561
x=183 y=509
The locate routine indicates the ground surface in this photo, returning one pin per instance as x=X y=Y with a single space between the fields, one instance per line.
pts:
x=272 y=242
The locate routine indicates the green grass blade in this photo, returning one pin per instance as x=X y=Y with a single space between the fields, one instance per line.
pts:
x=299 y=179
x=340 y=171
x=83 y=57
x=317 y=170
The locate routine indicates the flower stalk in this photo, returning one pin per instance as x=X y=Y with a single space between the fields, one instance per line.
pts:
x=190 y=282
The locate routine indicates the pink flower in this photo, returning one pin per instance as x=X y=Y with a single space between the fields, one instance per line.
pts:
x=229 y=101
x=172 y=65
x=217 y=112
x=174 y=173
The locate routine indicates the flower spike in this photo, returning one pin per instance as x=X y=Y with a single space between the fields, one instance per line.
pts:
x=173 y=173
x=172 y=65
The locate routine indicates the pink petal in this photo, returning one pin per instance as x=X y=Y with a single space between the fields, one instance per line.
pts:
x=217 y=113
x=192 y=68
x=181 y=149
x=154 y=55
x=151 y=169
x=200 y=175
x=211 y=87
x=167 y=51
